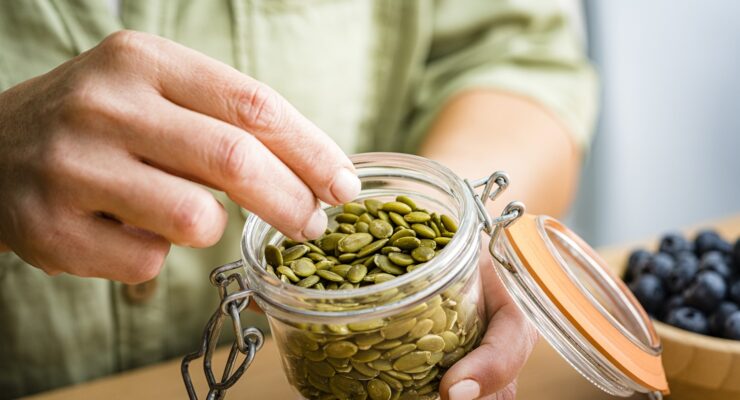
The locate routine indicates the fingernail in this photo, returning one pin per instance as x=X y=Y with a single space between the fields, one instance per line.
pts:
x=316 y=225
x=465 y=390
x=346 y=186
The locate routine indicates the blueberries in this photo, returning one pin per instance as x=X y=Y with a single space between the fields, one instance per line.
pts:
x=636 y=264
x=709 y=240
x=660 y=265
x=691 y=284
x=675 y=301
x=674 y=243
x=715 y=261
x=717 y=320
x=689 y=319
x=732 y=326
x=706 y=291
x=648 y=289
x=687 y=265
x=734 y=294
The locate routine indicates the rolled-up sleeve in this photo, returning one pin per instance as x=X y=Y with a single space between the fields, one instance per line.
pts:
x=529 y=48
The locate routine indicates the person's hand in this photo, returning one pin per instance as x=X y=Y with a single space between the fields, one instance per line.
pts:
x=490 y=371
x=99 y=159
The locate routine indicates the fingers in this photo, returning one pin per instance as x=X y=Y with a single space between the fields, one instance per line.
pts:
x=220 y=155
x=119 y=252
x=180 y=211
x=506 y=345
x=207 y=86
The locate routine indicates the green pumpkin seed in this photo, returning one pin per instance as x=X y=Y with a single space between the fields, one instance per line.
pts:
x=389 y=249
x=433 y=343
x=354 y=208
x=294 y=253
x=372 y=206
x=346 y=218
x=397 y=207
x=329 y=242
x=385 y=264
x=424 y=231
x=341 y=349
x=347 y=257
x=408 y=201
x=411 y=360
x=364 y=369
x=383 y=216
x=421 y=328
x=308 y=281
x=422 y=254
x=400 y=259
x=407 y=243
x=329 y=276
x=366 y=356
x=417 y=216
x=325 y=264
x=372 y=247
x=356 y=273
x=402 y=233
x=366 y=325
x=383 y=277
x=398 y=351
x=396 y=329
x=449 y=223
x=354 y=242
x=394 y=383
x=346 y=228
x=273 y=256
x=381 y=365
x=341 y=269
x=398 y=219
x=303 y=268
x=442 y=241
x=380 y=229
x=378 y=389
x=428 y=243
x=362 y=227
x=287 y=272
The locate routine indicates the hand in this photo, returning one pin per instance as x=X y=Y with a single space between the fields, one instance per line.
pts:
x=490 y=371
x=99 y=159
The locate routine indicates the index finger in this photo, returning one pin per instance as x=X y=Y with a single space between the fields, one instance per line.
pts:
x=205 y=85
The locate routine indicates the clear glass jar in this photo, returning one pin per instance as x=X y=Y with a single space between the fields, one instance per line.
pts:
x=394 y=338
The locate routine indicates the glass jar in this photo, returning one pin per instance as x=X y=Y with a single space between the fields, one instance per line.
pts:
x=397 y=338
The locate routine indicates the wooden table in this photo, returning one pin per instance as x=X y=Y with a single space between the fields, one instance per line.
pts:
x=545 y=376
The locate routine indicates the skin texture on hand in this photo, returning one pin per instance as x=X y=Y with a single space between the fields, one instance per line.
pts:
x=102 y=159
x=477 y=133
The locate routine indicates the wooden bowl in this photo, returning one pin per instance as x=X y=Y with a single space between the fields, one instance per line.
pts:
x=698 y=367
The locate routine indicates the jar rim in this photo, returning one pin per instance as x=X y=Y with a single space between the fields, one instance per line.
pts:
x=439 y=272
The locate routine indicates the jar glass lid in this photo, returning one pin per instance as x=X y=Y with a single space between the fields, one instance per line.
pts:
x=583 y=309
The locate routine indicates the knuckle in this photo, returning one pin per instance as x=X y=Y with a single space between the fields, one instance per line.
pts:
x=149 y=262
x=260 y=107
x=190 y=216
x=234 y=166
x=126 y=43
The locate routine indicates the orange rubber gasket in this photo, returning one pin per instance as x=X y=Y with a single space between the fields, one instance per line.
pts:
x=643 y=367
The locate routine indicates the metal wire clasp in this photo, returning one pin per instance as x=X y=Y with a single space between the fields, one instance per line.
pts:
x=247 y=341
x=493 y=186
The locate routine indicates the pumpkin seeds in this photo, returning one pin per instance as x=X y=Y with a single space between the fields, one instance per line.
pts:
x=402 y=356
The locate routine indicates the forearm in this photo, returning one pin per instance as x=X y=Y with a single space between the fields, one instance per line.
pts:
x=482 y=131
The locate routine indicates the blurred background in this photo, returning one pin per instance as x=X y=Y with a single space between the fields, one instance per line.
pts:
x=667 y=149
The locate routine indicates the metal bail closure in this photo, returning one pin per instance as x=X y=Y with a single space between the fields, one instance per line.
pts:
x=573 y=299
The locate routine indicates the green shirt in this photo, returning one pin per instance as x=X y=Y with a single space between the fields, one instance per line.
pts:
x=373 y=74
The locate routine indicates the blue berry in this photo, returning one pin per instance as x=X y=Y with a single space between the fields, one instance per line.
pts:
x=687 y=265
x=660 y=265
x=675 y=301
x=674 y=243
x=689 y=319
x=709 y=240
x=706 y=291
x=636 y=264
x=718 y=318
x=732 y=326
x=715 y=261
x=734 y=294
x=648 y=289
